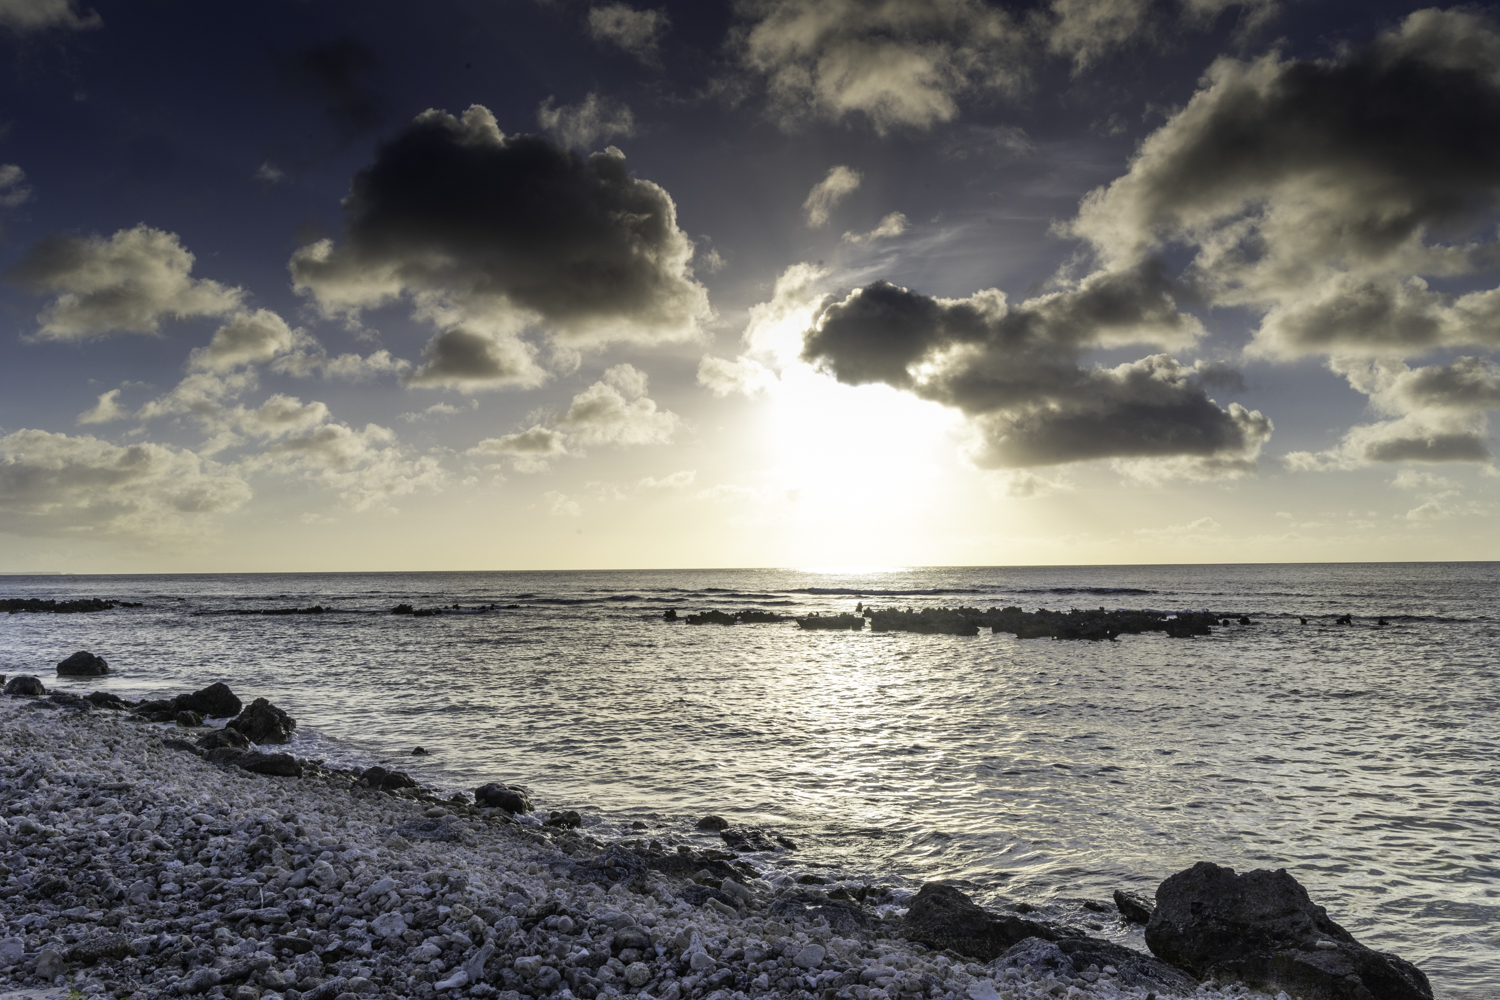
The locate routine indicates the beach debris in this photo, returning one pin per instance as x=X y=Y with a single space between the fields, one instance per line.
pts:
x=1263 y=928
x=83 y=664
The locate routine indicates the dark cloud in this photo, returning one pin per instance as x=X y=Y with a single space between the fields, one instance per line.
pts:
x=1016 y=372
x=1320 y=191
x=1439 y=447
x=28 y=16
x=340 y=77
x=463 y=359
x=498 y=234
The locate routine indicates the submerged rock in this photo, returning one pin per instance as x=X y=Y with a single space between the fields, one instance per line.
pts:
x=713 y=823
x=263 y=722
x=83 y=664
x=1263 y=928
x=1136 y=909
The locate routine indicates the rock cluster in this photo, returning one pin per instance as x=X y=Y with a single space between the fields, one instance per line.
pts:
x=83 y=664
x=133 y=863
x=35 y=606
x=815 y=621
x=1042 y=623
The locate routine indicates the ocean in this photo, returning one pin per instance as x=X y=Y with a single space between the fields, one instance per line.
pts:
x=1365 y=759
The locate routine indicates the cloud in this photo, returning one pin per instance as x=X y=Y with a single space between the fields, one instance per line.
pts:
x=676 y=481
x=530 y=450
x=581 y=125
x=349 y=367
x=560 y=505
x=14 y=190
x=616 y=411
x=491 y=235
x=57 y=484
x=891 y=226
x=247 y=338
x=366 y=467
x=1087 y=30
x=338 y=76
x=894 y=64
x=1323 y=194
x=828 y=192
x=1015 y=372
x=129 y=282
x=106 y=410
x=1022 y=484
x=1438 y=414
x=270 y=173
x=636 y=31
x=23 y=16
x=743 y=375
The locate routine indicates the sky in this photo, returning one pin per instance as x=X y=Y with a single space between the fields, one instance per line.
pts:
x=559 y=284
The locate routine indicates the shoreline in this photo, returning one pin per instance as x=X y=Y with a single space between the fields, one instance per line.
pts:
x=136 y=867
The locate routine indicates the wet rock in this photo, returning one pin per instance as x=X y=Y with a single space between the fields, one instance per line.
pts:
x=711 y=618
x=103 y=699
x=403 y=609
x=226 y=737
x=281 y=765
x=213 y=702
x=420 y=751
x=567 y=819
x=842 y=918
x=1132 y=968
x=72 y=702
x=817 y=622
x=83 y=664
x=713 y=823
x=263 y=722
x=386 y=781
x=25 y=684
x=188 y=719
x=1261 y=927
x=700 y=894
x=1135 y=908
x=511 y=798
x=750 y=839
x=940 y=916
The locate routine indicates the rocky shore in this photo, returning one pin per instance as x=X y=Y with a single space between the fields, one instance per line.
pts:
x=159 y=860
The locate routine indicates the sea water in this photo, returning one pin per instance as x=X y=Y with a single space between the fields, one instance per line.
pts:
x=1365 y=759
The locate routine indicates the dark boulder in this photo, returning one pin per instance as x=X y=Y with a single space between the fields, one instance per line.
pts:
x=263 y=722
x=25 y=685
x=386 y=781
x=226 y=737
x=631 y=936
x=942 y=917
x=745 y=839
x=1261 y=927
x=713 y=823
x=188 y=719
x=567 y=819
x=281 y=765
x=83 y=664
x=403 y=609
x=842 y=918
x=511 y=798
x=1131 y=967
x=700 y=894
x=72 y=702
x=213 y=702
x=156 y=710
x=1135 y=908
x=103 y=699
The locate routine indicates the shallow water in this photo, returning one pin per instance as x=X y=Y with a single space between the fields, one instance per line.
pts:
x=1365 y=760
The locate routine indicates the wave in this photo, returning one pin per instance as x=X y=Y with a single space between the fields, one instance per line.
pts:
x=864 y=592
x=1085 y=590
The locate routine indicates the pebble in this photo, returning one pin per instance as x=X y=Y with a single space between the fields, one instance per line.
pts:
x=136 y=870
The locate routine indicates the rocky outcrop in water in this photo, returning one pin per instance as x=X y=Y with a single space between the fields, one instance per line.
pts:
x=263 y=722
x=83 y=664
x=511 y=798
x=712 y=618
x=1040 y=624
x=817 y=622
x=24 y=685
x=1263 y=928
x=37 y=606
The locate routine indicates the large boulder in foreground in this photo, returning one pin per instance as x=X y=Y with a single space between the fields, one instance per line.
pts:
x=263 y=722
x=942 y=917
x=1261 y=927
x=24 y=685
x=83 y=664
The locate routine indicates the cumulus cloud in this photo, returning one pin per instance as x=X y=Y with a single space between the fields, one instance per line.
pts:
x=270 y=173
x=107 y=409
x=248 y=338
x=636 y=31
x=491 y=235
x=366 y=467
x=891 y=226
x=1086 y=30
x=24 y=16
x=1323 y=194
x=14 y=190
x=581 y=125
x=349 y=367
x=893 y=64
x=827 y=193
x=676 y=481
x=129 y=282
x=616 y=411
x=531 y=450
x=58 y=484
x=1016 y=372
x=1437 y=413
x=743 y=376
